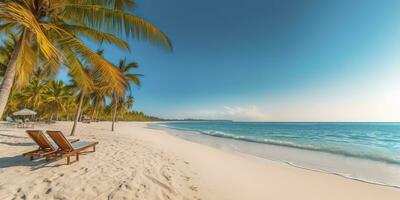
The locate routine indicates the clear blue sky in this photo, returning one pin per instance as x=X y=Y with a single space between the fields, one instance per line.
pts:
x=271 y=60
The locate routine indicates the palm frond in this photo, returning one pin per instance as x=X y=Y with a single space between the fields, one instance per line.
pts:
x=12 y=12
x=95 y=36
x=77 y=70
x=25 y=64
x=112 y=20
x=7 y=27
x=132 y=65
x=101 y=65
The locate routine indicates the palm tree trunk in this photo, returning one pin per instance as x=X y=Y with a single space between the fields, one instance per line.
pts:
x=9 y=75
x=96 y=115
x=115 y=114
x=78 y=111
x=99 y=110
x=94 y=112
x=80 y=115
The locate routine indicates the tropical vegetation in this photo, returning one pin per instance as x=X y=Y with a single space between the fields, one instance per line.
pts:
x=41 y=36
x=55 y=100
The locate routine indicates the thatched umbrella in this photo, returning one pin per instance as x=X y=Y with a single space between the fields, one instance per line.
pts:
x=24 y=112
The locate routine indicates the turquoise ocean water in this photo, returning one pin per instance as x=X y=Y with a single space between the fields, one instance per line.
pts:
x=375 y=142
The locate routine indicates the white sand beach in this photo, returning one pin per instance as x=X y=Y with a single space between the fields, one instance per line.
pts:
x=136 y=162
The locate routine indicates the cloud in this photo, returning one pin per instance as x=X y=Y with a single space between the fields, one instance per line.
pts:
x=249 y=113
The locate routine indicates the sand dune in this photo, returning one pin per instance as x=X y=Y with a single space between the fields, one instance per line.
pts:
x=136 y=162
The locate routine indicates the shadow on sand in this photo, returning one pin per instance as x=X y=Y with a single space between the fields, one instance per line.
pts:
x=19 y=160
x=11 y=136
x=19 y=144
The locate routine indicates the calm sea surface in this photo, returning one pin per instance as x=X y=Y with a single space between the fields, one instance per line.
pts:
x=377 y=142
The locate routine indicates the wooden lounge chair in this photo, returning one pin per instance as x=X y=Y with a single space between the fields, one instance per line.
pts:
x=67 y=149
x=46 y=148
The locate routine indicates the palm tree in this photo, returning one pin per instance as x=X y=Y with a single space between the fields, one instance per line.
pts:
x=55 y=29
x=98 y=97
x=14 y=103
x=70 y=107
x=5 y=52
x=33 y=94
x=82 y=90
x=126 y=104
x=99 y=90
x=125 y=69
x=57 y=95
x=80 y=93
x=129 y=102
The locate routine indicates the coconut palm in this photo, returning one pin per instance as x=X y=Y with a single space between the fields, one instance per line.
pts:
x=51 y=31
x=70 y=107
x=80 y=94
x=95 y=76
x=5 y=52
x=126 y=70
x=56 y=103
x=98 y=98
x=56 y=97
x=126 y=104
x=14 y=103
x=33 y=94
x=129 y=102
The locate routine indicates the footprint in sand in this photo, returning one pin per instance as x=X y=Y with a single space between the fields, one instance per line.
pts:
x=197 y=198
x=19 y=194
x=121 y=189
x=194 y=188
x=162 y=185
x=165 y=196
x=60 y=197
x=46 y=180
x=85 y=170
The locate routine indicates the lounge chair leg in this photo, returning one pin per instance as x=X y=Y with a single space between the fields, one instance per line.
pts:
x=94 y=148
x=77 y=156
x=68 y=160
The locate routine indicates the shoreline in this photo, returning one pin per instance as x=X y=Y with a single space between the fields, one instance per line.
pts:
x=283 y=144
x=322 y=178
x=136 y=161
x=190 y=133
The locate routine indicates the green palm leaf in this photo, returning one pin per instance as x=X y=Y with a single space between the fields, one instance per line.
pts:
x=111 y=20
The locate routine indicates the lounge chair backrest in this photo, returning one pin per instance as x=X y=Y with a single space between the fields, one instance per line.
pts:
x=60 y=140
x=40 y=139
